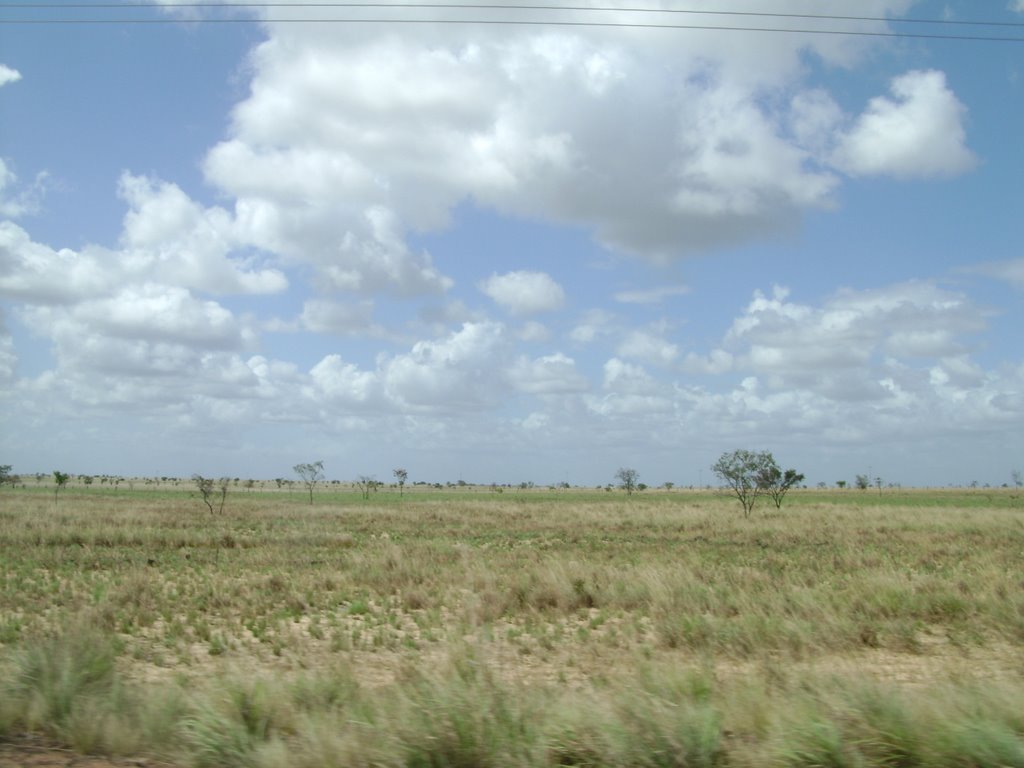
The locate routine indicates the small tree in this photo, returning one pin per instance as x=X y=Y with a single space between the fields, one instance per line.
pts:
x=777 y=483
x=365 y=484
x=311 y=474
x=627 y=478
x=743 y=473
x=401 y=476
x=863 y=482
x=5 y=475
x=1018 y=478
x=61 y=479
x=840 y=484
x=209 y=488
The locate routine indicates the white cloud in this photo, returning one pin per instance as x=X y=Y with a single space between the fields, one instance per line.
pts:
x=524 y=293
x=162 y=313
x=8 y=358
x=623 y=377
x=171 y=238
x=716 y=363
x=647 y=346
x=651 y=295
x=344 y=382
x=916 y=134
x=833 y=349
x=355 y=140
x=532 y=331
x=548 y=375
x=35 y=273
x=1010 y=271
x=322 y=316
x=20 y=202
x=659 y=150
x=461 y=372
x=380 y=261
x=594 y=324
x=8 y=75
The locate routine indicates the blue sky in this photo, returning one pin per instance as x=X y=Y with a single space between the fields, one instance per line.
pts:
x=512 y=253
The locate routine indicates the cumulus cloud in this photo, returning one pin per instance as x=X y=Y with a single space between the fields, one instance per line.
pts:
x=835 y=349
x=918 y=133
x=139 y=331
x=343 y=382
x=647 y=346
x=658 y=149
x=168 y=236
x=630 y=391
x=458 y=372
x=354 y=140
x=547 y=375
x=8 y=75
x=524 y=293
x=469 y=370
x=35 y=273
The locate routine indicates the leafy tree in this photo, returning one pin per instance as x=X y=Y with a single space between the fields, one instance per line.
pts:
x=743 y=473
x=209 y=488
x=1018 y=478
x=777 y=483
x=627 y=478
x=5 y=475
x=311 y=474
x=61 y=480
x=401 y=476
x=840 y=484
x=365 y=484
x=669 y=485
x=863 y=482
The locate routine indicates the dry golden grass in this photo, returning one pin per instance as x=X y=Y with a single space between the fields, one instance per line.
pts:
x=551 y=614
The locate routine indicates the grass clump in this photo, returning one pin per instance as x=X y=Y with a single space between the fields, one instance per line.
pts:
x=64 y=685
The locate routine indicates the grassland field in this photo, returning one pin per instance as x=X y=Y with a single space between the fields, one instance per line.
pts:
x=540 y=627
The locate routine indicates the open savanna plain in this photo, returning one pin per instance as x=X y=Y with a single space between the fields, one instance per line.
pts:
x=525 y=628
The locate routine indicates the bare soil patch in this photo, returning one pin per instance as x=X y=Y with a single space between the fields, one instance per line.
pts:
x=32 y=752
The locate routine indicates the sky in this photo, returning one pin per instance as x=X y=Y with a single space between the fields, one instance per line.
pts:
x=239 y=239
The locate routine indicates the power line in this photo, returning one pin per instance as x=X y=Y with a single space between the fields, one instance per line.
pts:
x=520 y=7
x=511 y=22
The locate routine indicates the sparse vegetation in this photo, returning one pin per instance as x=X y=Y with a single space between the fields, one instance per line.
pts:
x=537 y=628
x=401 y=476
x=60 y=479
x=743 y=472
x=311 y=474
x=366 y=484
x=777 y=483
x=209 y=488
x=627 y=478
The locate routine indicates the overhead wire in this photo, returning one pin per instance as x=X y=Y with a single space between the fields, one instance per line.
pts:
x=551 y=8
